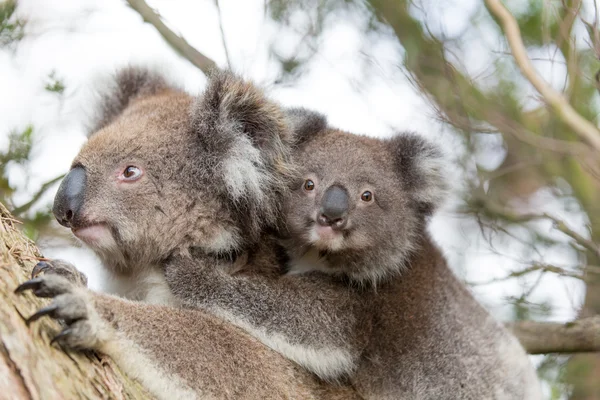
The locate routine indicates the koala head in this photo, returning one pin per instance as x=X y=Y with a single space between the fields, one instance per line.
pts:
x=166 y=172
x=362 y=202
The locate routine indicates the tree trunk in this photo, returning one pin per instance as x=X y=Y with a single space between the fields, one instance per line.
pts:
x=31 y=368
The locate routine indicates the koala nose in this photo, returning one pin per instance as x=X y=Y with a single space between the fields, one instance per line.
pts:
x=69 y=198
x=334 y=208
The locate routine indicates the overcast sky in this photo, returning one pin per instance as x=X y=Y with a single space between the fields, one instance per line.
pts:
x=79 y=40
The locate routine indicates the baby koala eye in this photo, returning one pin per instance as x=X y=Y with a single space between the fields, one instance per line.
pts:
x=131 y=173
x=309 y=185
x=367 y=196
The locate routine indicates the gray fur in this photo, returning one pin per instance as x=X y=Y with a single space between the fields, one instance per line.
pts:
x=430 y=338
x=198 y=204
x=405 y=176
x=246 y=145
x=383 y=310
x=127 y=85
x=317 y=320
x=186 y=224
x=304 y=123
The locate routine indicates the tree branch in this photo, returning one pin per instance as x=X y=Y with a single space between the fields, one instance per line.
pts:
x=223 y=33
x=539 y=267
x=556 y=100
x=579 y=336
x=496 y=210
x=25 y=207
x=199 y=60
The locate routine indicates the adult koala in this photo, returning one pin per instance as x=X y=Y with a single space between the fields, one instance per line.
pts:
x=166 y=175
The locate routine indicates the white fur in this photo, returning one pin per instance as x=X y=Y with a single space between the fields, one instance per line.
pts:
x=517 y=365
x=334 y=244
x=138 y=365
x=103 y=244
x=433 y=170
x=223 y=241
x=101 y=336
x=148 y=285
x=309 y=262
x=326 y=362
x=242 y=170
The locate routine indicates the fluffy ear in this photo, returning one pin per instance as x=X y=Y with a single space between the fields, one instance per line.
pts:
x=124 y=87
x=247 y=138
x=421 y=166
x=304 y=123
x=234 y=116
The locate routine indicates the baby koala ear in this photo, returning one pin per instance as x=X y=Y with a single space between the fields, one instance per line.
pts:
x=421 y=166
x=304 y=123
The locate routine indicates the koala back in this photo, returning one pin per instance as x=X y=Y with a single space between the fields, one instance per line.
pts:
x=434 y=340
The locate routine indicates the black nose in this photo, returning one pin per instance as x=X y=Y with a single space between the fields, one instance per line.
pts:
x=69 y=198
x=334 y=208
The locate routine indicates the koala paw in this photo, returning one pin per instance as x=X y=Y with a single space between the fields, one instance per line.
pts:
x=62 y=268
x=73 y=305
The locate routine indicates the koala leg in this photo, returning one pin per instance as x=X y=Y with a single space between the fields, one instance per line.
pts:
x=174 y=353
x=321 y=324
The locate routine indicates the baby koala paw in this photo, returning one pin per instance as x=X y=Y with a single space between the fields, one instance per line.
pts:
x=72 y=304
x=62 y=268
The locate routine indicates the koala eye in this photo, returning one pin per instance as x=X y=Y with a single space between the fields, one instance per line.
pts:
x=367 y=196
x=309 y=185
x=131 y=173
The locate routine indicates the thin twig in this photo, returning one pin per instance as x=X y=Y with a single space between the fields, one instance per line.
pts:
x=511 y=216
x=556 y=100
x=566 y=44
x=25 y=207
x=534 y=268
x=223 y=34
x=199 y=60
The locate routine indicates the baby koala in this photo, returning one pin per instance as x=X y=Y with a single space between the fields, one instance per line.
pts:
x=360 y=209
x=360 y=213
x=365 y=295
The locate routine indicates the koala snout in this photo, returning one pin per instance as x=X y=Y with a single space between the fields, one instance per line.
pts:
x=334 y=208
x=70 y=196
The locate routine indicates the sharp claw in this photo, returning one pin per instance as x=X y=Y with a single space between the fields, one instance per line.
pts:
x=62 y=334
x=48 y=310
x=30 y=284
x=39 y=268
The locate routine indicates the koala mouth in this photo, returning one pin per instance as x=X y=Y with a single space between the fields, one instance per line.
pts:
x=326 y=238
x=93 y=234
x=327 y=232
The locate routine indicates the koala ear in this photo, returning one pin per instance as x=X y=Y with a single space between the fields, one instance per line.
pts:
x=233 y=115
x=304 y=123
x=125 y=86
x=421 y=166
x=246 y=139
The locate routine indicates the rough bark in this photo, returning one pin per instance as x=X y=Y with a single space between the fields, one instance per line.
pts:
x=31 y=368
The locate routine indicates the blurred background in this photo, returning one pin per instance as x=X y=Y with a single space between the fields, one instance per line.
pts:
x=521 y=225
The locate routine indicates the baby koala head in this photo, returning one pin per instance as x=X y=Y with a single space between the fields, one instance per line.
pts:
x=362 y=202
